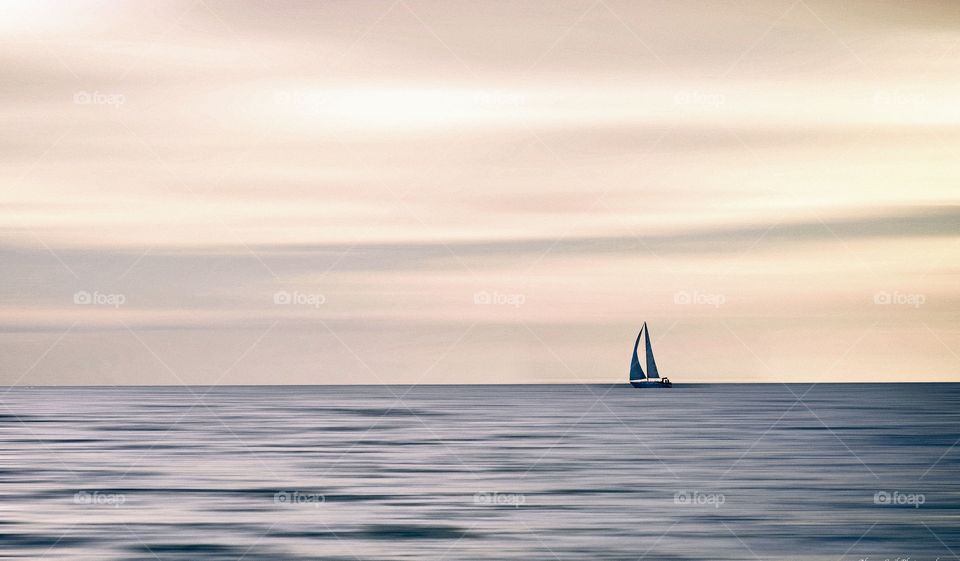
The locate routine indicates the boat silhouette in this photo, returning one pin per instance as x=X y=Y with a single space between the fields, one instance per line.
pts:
x=650 y=379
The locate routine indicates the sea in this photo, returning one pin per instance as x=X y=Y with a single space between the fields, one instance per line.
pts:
x=537 y=472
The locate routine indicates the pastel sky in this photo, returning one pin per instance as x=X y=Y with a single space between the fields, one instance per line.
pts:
x=414 y=191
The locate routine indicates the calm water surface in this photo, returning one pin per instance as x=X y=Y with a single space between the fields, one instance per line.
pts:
x=481 y=472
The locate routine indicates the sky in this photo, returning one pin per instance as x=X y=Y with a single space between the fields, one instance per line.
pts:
x=411 y=191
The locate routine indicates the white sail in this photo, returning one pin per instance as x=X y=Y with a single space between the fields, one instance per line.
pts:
x=636 y=372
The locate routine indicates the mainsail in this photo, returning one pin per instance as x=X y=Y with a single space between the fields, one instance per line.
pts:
x=636 y=373
x=651 y=365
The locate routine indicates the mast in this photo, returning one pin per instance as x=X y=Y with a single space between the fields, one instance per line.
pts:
x=651 y=364
x=636 y=372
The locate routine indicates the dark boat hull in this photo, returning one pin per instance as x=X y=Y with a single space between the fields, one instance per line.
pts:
x=651 y=384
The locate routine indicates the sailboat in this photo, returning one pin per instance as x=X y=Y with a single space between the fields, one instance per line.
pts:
x=652 y=377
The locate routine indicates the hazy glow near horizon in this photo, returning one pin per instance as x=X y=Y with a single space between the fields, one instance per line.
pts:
x=422 y=191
